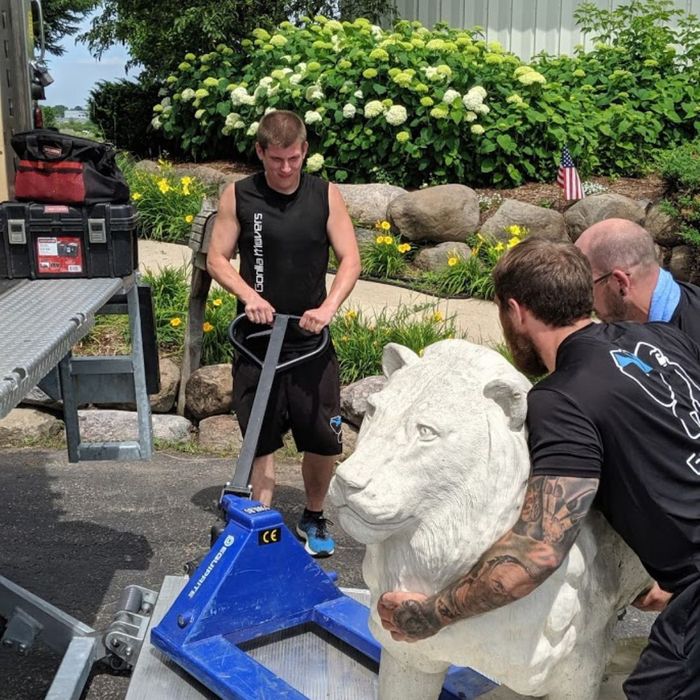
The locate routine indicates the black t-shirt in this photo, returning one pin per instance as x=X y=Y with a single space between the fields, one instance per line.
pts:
x=687 y=313
x=623 y=405
x=283 y=248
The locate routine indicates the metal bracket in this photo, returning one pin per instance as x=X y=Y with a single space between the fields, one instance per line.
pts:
x=21 y=631
x=124 y=636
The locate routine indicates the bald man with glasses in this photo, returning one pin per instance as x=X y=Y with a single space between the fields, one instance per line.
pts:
x=628 y=282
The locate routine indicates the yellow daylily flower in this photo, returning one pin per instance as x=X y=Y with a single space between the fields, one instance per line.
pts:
x=350 y=314
x=385 y=225
x=189 y=218
x=217 y=302
x=136 y=196
x=207 y=327
x=175 y=322
x=437 y=317
x=164 y=185
x=452 y=261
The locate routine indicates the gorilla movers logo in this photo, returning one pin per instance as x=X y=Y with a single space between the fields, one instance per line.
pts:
x=667 y=384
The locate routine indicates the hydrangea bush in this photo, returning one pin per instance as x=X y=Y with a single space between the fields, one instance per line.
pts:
x=440 y=105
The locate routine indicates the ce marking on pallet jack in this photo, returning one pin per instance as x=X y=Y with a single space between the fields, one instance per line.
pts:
x=272 y=535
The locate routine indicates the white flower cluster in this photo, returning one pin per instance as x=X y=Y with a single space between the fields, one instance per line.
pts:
x=233 y=121
x=450 y=96
x=314 y=163
x=373 y=109
x=314 y=93
x=395 y=115
x=240 y=96
x=349 y=110
x=474 y=100
x=187 y=94
x=312 y=116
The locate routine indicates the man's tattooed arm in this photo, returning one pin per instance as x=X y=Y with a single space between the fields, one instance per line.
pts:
x=514 y=566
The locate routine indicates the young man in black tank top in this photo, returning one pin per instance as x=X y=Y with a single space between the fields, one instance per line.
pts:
x=282 y=221
x=616 y=423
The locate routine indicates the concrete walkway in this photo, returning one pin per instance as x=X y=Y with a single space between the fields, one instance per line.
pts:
x=477 y=320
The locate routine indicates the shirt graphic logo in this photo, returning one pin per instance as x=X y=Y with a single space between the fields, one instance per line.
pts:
x=667 y=383
x=336 y=424
x=259 y=263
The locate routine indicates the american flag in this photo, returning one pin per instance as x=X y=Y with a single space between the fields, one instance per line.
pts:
x=567 y=177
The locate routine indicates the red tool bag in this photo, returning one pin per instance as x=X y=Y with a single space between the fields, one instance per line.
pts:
x=62 y=169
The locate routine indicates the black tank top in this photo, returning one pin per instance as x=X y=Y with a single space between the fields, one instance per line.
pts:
x=283 y=244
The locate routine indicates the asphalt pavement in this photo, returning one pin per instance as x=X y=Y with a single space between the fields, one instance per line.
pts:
x=76 y=534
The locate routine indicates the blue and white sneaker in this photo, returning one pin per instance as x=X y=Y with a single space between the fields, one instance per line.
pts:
x=314 y=532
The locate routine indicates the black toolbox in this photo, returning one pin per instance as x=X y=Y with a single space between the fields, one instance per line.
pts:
x=57 y=240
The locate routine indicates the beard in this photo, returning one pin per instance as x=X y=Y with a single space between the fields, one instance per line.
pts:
x=525 y=356
x=614 y=307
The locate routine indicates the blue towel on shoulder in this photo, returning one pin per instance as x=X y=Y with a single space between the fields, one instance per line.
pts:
x=665 y=298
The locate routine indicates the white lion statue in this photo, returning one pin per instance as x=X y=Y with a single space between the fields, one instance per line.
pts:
x=439 y=474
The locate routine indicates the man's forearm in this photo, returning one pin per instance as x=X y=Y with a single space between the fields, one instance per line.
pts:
x=345 y=278
x=229 y=278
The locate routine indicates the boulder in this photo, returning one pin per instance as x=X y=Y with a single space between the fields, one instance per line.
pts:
x=598 y=207
x=209 y=391
x=537 y=220
x=662 y=227
x=28 y=425
x=208 y=174
x=683 y=262
x=439 y=214
x=349 y=441
x=36 y=397
x=220 y=434
x=435 y=258
x=365 y=235
x=147 y=166
x=368 y=204
x=353 y=398
x=109 y=425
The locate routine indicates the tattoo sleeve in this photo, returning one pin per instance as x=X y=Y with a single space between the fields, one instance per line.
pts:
x=517 y=563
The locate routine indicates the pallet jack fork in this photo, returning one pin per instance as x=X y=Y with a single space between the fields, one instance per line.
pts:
x=257 y=580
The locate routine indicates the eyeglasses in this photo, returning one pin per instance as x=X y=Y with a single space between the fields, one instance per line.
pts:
x=602 y=278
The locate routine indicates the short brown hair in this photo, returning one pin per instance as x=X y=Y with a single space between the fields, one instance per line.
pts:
x=553 y=280
x=281 y=128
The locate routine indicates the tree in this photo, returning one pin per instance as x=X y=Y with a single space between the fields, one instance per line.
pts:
x=159 y=32
x=62 y=18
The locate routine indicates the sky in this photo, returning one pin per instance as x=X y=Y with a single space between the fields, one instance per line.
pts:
x=76 y=72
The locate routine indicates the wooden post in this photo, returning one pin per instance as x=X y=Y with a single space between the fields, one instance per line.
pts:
x=199 y=290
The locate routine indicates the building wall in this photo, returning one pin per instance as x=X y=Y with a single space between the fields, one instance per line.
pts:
x=524 y=27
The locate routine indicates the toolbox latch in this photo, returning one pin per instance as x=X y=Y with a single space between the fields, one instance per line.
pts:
x=17 y=232
x=97 y=230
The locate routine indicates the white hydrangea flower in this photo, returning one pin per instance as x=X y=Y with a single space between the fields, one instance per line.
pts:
x=359 y=95
x=450 y=96
x=315 y=162
x=479 y=90
x=231 y=119
x=431 y=73
x=473 y=100
x=156 y=123
x=477 y=129
x=312 y=116
x=200 y=113
x=237 y=95
x=396 y=115
x=187 y=94
x=377 y=32
x=295 y=79
x=374 y=108
x=252 y=129
x=470 y=116
x=240 y=124
x=532 y=77
x=165 y=102
x=266 y=81
x=483 y=109
x=314 y=93
x=349 y=110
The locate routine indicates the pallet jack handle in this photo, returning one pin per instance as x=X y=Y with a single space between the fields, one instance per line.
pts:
x=240 y=483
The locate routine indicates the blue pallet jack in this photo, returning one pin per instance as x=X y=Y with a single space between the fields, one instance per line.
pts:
x=257 y=580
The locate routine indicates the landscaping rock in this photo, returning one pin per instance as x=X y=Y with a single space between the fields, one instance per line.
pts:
x=598 y=207
x=662 y=227
x=36 y=397
x=208 y=175
x=209 y=391
x=441 y=213
x=98 y=426
x=368 y=204
x=147 y=166
x=353 y=398
x=365 y=235
x=683 y=262
x=537 y=220
x=435 y=258
x=220 y=434
x=28 y=424
x=349 y=441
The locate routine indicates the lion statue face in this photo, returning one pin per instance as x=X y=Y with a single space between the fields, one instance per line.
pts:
x=441 y=461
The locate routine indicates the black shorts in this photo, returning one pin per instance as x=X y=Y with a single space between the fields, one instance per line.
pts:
x=669 y=667
x=305 y=399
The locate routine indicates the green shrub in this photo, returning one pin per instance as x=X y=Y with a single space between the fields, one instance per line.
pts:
x=122 y=110
x=680 y=168
x=166 y=201
x=415 y=106
x=385 y=256
x=359 y=341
